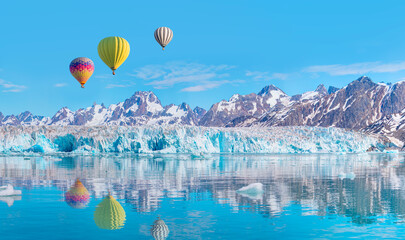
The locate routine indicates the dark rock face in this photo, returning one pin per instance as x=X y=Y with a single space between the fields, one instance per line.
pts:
x=332 y=89
x=200 y=112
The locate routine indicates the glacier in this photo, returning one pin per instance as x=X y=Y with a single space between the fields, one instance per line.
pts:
x=182 y=139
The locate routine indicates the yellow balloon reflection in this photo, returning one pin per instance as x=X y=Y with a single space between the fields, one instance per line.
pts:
x=77 y=196
x=109 y=214
x=159 y=230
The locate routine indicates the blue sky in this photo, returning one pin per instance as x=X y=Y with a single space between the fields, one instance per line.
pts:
x=219 y=48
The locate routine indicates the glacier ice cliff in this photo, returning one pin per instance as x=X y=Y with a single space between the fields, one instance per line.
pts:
x=182 y=139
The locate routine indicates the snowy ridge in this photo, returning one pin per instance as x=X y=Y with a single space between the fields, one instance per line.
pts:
x=392 y=127
x=360 y=105
x=182 y=139
x=238 y=105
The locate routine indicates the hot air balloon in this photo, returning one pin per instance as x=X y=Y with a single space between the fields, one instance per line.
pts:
x=159 y=230
x=77 y=196
x=81 y=68
x=109 y=214
x=163 y=36
x=113 y=51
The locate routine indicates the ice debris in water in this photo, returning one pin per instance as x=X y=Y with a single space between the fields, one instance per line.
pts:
x=350 y=175
x=199 y=141
x=253 y=191
x=9 y=190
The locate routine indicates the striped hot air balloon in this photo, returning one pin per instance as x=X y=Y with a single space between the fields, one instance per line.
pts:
x=113 y=51
x=163 y=36
x=109 y=214
x=159 y=230
x=81 y=68
x=77 y=196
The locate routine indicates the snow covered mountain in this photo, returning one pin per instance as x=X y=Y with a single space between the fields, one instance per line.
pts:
x=391 y=126
x=143 y=108
x=245 y=105
x=356 y=106
x=361 y=105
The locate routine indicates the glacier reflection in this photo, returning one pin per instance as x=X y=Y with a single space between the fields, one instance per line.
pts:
x=312 y=182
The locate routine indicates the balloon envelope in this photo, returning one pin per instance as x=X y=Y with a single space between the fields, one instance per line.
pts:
x=109 y=214
x=113 y=51
x=77 y=196
x=159 y=230
x=81 y=68
x=163 y=36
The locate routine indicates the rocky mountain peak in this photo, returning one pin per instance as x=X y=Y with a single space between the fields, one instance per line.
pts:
x=321 y=89
x=200 y=112
x=267 y=89
x=185 y=107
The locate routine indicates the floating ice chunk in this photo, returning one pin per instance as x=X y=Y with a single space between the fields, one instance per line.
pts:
x=8 y=190
x=350 y=175
x=199 y=155
x=391 y=151
x=253 y=191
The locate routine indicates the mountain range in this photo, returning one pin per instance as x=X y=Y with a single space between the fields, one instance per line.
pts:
x=362 y=105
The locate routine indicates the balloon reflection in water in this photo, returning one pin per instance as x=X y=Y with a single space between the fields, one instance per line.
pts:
x=159 y=230
x=77 y=196
x=109 y=214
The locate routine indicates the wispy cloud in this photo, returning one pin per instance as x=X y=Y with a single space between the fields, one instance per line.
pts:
x=266 y=76
x=356 y=68
x=118 y=85
x=104 y=76
x=168 y=75
x=10 y=87
x=60 y=85
x=208 y=85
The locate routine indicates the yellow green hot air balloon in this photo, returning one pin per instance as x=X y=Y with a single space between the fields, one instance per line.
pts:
x=109 y=214
x=113 y=51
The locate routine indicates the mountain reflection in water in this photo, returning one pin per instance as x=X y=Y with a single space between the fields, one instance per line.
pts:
x=315 y=183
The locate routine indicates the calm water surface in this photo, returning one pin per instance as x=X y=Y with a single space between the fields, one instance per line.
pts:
x=305 y=197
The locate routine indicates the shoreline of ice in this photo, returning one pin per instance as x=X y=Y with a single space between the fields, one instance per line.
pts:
x=182 y=139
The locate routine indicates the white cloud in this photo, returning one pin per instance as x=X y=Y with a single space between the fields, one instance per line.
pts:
x=9 y=87
x=209 y=85
x=104 y=76
x=170 y=74
x=118 y=85
x=204 y=86
x=356 y=68
x=266 y=76
x=60 y=85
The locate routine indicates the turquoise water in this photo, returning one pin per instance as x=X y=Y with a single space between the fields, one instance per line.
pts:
x=305 y=196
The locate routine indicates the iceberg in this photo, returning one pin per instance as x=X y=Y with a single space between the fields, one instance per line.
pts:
x=8 y=190
x=253 y=191
x=199 y=141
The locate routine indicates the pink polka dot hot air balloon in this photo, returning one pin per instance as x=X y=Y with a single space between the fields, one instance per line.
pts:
x=77 y=196
x=82 y=68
